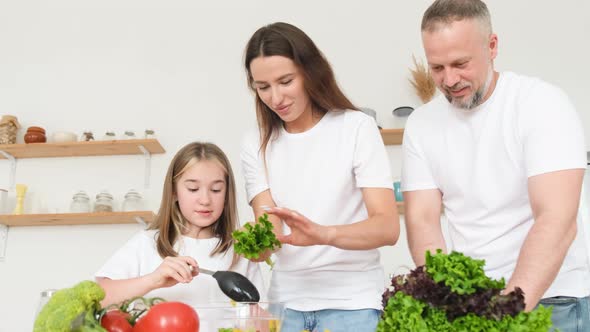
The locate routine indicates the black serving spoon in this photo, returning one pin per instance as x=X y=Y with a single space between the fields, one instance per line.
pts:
x=234 y=285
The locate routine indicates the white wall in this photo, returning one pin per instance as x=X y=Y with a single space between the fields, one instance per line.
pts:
x=175 y=66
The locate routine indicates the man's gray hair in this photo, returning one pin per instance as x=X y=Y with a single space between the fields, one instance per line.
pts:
x=443 y=12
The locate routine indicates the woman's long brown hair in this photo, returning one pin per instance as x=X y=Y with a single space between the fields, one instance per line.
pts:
x=320 y=84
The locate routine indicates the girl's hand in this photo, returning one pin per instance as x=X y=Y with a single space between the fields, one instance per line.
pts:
x=174 y=270
x=304 y=232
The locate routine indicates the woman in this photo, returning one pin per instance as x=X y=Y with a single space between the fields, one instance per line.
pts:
x=316 y=154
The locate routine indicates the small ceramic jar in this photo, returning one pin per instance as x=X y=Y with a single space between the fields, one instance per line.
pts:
x=35 y=135
x=64 y=137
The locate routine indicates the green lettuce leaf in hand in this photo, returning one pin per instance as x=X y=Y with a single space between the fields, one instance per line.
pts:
x=255 y=239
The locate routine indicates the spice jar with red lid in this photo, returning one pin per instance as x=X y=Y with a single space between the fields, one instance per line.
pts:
x=35 y=135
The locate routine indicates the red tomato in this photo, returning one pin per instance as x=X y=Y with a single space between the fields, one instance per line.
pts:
x=116 y=321
x=168 y=317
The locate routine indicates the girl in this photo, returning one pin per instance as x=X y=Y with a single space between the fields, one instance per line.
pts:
x=314 y=152
x=193 y=228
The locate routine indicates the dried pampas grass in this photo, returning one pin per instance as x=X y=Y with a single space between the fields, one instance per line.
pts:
x=422 y=81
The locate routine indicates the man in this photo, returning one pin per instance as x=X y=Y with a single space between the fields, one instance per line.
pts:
x=504 y=155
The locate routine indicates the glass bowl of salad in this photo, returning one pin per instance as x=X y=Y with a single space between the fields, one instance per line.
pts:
x=240 y=316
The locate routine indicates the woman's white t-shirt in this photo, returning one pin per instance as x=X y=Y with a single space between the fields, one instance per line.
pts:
x=321 y=173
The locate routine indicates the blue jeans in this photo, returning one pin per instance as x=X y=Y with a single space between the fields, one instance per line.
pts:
x=364 y=320
x=570 y=314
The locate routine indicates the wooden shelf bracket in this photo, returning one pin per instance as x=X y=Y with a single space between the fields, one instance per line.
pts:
x=140 y=221
x=148 y=160
x=12 y=173
x=3 y=240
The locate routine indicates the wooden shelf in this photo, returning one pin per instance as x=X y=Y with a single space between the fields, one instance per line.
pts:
x=78 y=149
x=400 y=208
x=392 y=136
x=99 y=218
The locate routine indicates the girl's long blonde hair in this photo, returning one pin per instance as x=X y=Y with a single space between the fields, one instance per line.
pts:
x=170 y=222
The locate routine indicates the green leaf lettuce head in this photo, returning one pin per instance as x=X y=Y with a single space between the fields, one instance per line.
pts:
x=462 y=274
x=452 y=293
x=67 y=304
x=256 y=239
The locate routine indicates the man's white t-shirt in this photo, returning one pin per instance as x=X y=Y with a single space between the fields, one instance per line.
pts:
x=320 y=173
x=481 y=160
x=139 y=256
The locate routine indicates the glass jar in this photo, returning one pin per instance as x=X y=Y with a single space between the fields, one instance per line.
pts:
x=80 y=203
x=104 y=202
x=129 y=135
x=133 y=201
x=109 y=136
x=150 y=133
x=44 y=298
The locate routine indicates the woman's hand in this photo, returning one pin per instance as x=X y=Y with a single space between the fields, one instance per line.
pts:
x=174 y=270
x=304 y=232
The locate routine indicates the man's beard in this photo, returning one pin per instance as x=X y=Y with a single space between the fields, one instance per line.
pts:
x=475 y=100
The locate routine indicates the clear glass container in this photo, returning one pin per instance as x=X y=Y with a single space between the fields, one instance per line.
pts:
x=133 y=201
x=149 y=133
x=104 y=202
x=109 y=136
x=80 y=203
x=240 y=316
x=128 y=135
x=43 y=299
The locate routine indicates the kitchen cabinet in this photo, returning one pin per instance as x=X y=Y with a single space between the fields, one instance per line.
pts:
x=12 y=152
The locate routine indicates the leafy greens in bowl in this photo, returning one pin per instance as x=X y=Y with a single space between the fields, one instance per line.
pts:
x=452 y=293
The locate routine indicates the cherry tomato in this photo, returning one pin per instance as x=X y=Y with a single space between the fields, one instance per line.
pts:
x=168 y=317
x=116 y=321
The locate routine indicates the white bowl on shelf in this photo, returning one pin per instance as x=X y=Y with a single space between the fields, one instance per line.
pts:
x=64 y=137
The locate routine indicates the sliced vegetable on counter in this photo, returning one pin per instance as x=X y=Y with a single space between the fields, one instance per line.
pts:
x=256 y=239
x=452 y=293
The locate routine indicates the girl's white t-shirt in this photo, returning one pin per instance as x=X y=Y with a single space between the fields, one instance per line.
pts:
x=139 y=256
x=321 y=173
